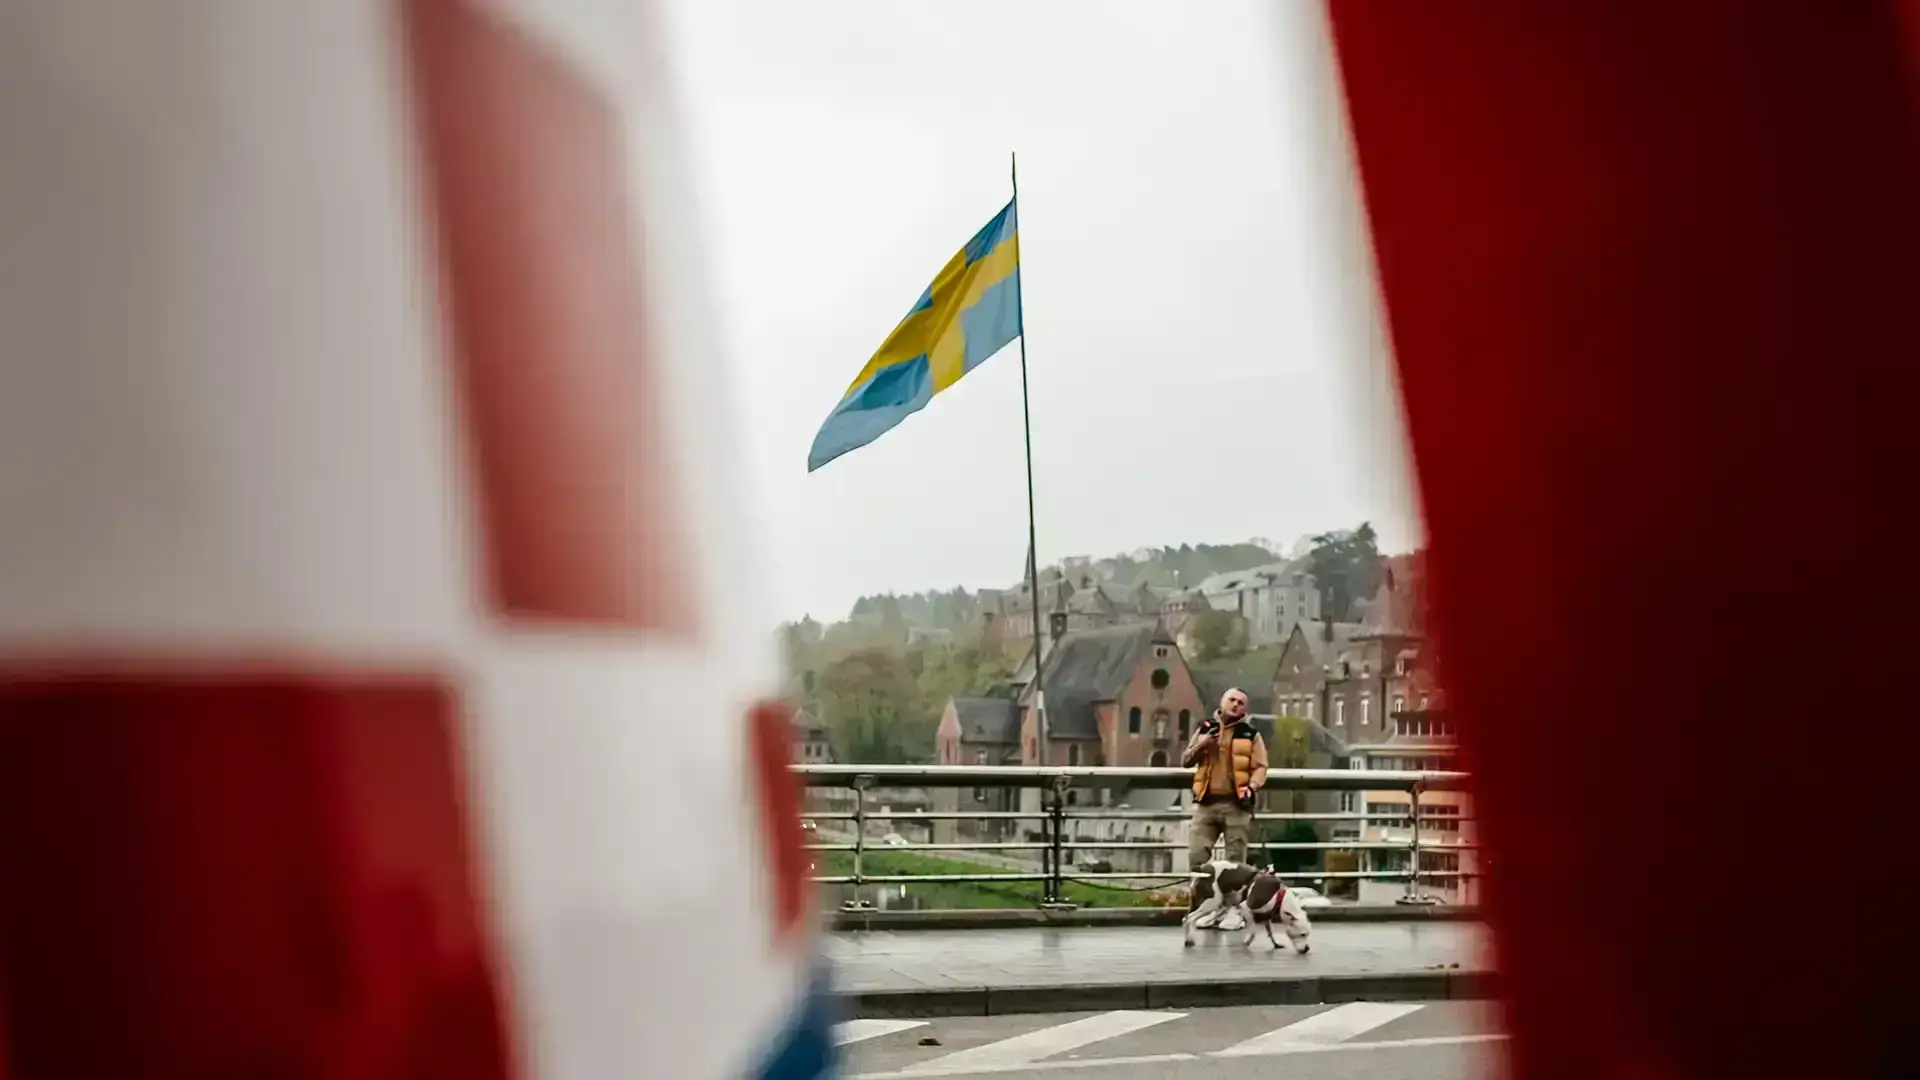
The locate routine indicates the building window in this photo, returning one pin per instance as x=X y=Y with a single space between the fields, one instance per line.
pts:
x=1391 y=815
x=1339 y=712
x=1399 y=703
x=1366 y=709
x=1157 y=759
x=1440 y=818
x=979 y=757
x=1309 y=708
x=1160 y=651
x=1073 y=753
x=1186 y=723
x=1423 y=703
x=1161 y=678
x=1160 y=724
x=1133 y=720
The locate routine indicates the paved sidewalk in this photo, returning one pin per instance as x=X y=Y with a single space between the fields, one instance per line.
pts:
x=973 y=972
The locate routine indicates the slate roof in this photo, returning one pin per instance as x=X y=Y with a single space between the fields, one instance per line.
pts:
x=1214 y=685
x=807 y=726
x=1091 y=602
x=1324 y=651
x=1253 y=577
x=1089 y=666
x=1071 y=714
x=1023 y=674
x=1100 y=661
x=987 y=719
x=1319 y=739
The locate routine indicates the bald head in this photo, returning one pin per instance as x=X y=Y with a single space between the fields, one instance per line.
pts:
x=1234 y=703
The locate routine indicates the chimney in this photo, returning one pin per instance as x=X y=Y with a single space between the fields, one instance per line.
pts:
x=1057 y=625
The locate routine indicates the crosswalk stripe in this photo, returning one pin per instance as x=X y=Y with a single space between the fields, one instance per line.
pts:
x=1076 y=1064
x=1034 y=1045
x=1336 y=1025
x=849 y=1032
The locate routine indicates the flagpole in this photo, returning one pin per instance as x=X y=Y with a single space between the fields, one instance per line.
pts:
x=1026 y=428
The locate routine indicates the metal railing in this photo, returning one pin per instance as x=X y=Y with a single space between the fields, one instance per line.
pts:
x=1058 y=809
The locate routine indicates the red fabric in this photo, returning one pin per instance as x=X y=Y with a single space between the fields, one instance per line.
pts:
x=770 y=739
x=252 y=875
x=1649 y=270
x=541 y=290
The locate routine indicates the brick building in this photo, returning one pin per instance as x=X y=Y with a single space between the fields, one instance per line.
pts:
x=810 y=742
x=977 y=731
x=1115 y=696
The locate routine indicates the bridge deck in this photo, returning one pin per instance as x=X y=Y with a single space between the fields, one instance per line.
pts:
x=934 y=960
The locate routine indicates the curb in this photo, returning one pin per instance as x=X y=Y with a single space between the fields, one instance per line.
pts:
x=1026 y=918
x=1452 y=984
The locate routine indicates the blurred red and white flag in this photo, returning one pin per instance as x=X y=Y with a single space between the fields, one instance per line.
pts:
x=1648 y=275
x=379 y=649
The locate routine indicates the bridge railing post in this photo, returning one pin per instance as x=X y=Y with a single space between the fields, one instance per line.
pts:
x=860 y=786
x=1055 y=888
x=1413 y=894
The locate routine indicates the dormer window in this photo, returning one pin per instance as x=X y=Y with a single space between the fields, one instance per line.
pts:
x=1400 y=666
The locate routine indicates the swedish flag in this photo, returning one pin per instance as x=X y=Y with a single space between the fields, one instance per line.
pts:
x=970 y=311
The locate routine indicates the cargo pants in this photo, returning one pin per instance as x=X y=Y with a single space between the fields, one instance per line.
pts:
x=1210 y=821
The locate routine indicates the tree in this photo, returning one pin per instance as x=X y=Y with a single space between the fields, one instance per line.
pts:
x=1213 y=635
x=1291 y=743
x=1289 y=749
x=960 y=669
x=873 y=710
x=893 y=620
x=1292 y=861
x=1347 y=566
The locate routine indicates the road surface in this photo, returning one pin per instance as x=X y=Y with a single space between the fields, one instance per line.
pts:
x=1379 y=1041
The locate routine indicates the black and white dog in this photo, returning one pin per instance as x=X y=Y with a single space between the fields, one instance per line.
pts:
x=1260 y=897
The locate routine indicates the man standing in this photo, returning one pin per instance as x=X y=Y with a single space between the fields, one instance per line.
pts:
x=1229 y=762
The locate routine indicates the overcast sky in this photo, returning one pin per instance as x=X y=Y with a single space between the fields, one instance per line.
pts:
x=1192 y=377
